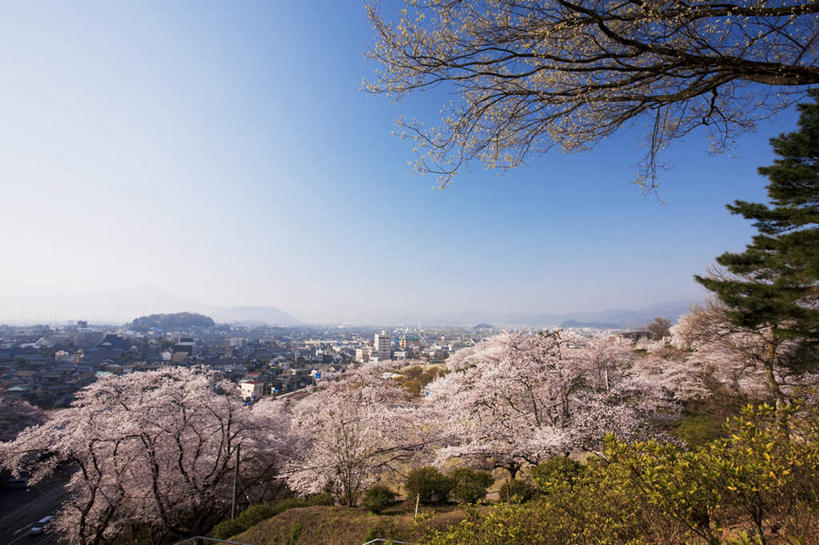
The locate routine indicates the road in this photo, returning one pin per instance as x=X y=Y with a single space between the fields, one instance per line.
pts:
x=21 y=509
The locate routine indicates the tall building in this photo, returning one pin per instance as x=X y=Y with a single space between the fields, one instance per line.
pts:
x=362 y=355
x=382 y=346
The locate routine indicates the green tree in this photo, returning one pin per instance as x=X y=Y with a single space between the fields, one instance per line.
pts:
x=429 y=485
x=470 y=485
x=378 y=498
x=774 y=281
x=774 y=284
x=654 y=492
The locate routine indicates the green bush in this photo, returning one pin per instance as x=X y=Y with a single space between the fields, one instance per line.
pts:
x=227 y=528
x=470 y=485
x=431 y=485
x=288 y=503
x=699 y=429
x=325 y=498
x=377 y=499
x=254 y=514
x=556 y=475
x=764 y=476
x=518 y=491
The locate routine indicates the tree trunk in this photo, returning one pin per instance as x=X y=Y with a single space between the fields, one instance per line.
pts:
x=776 y=391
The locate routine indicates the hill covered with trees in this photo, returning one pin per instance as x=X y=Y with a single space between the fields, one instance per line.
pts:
x=168 y=321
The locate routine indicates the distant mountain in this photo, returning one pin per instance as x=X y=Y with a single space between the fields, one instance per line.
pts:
x=482 y=326
x=172 y=321
x=119 y=306
x=603 y=319
x=596 y=325
x=253 y=316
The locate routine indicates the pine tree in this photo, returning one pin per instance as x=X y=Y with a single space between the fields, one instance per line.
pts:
x=774 y=283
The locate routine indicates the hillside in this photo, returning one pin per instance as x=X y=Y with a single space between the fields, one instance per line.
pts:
x=170 y=321
x=344 y=526
x=253 y=316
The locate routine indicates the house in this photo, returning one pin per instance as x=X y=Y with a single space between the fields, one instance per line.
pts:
x=251 y=389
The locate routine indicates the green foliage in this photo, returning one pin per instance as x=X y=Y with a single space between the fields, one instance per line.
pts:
x=168 y=321
x=556 y=474
x=771 y=475
x=295 y=532
x=518 y=491
x=254 y=514
x=227 y=528
x=773 y=282
x=654 y=492
x=377 y=499
x=744 y=539
x=699 y=429
x=470 y=485
x=289 y=503
x=431 y=485
x=325 y=498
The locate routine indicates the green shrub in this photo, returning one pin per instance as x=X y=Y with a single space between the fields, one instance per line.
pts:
x=227 y=528
x=518 y=491
x=699 y=429
x=254 y=514
x=764 y=476
x=557 y=474
x=470 y=485
x=325 y=498
x=288 y=503
x=377 y=499
x=431 y=485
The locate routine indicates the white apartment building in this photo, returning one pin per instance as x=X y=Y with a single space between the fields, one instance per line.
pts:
x=382 y=346
x=362 y=355
x=251 y=389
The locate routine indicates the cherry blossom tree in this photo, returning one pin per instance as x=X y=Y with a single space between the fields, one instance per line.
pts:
x=604 y=355
x=516 y=399
x=753 y=360
x=356 y=429
x=152 y=451
x=17 y=415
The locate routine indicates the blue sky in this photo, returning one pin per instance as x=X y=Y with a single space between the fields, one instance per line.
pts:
x=225 y=152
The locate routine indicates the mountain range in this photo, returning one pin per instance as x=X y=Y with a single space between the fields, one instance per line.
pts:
x=610 y=318
x=120 y=306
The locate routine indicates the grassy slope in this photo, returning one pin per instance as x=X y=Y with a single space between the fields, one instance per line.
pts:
x=344 y=526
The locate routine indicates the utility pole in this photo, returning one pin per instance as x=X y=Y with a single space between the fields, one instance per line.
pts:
x=235 y=483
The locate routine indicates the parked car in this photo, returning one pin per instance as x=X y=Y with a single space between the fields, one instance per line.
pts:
x=38 y=529
x=17 y=483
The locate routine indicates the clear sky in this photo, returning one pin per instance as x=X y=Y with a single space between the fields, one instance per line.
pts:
x=225 y=152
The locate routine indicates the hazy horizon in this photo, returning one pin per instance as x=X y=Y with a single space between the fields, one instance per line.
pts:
x=123 y=305
x=226 y=154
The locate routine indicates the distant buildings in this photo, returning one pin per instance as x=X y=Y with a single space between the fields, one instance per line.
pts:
x=362 y=355
x=251 y=389
x=47 y=365
x=382 y=346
